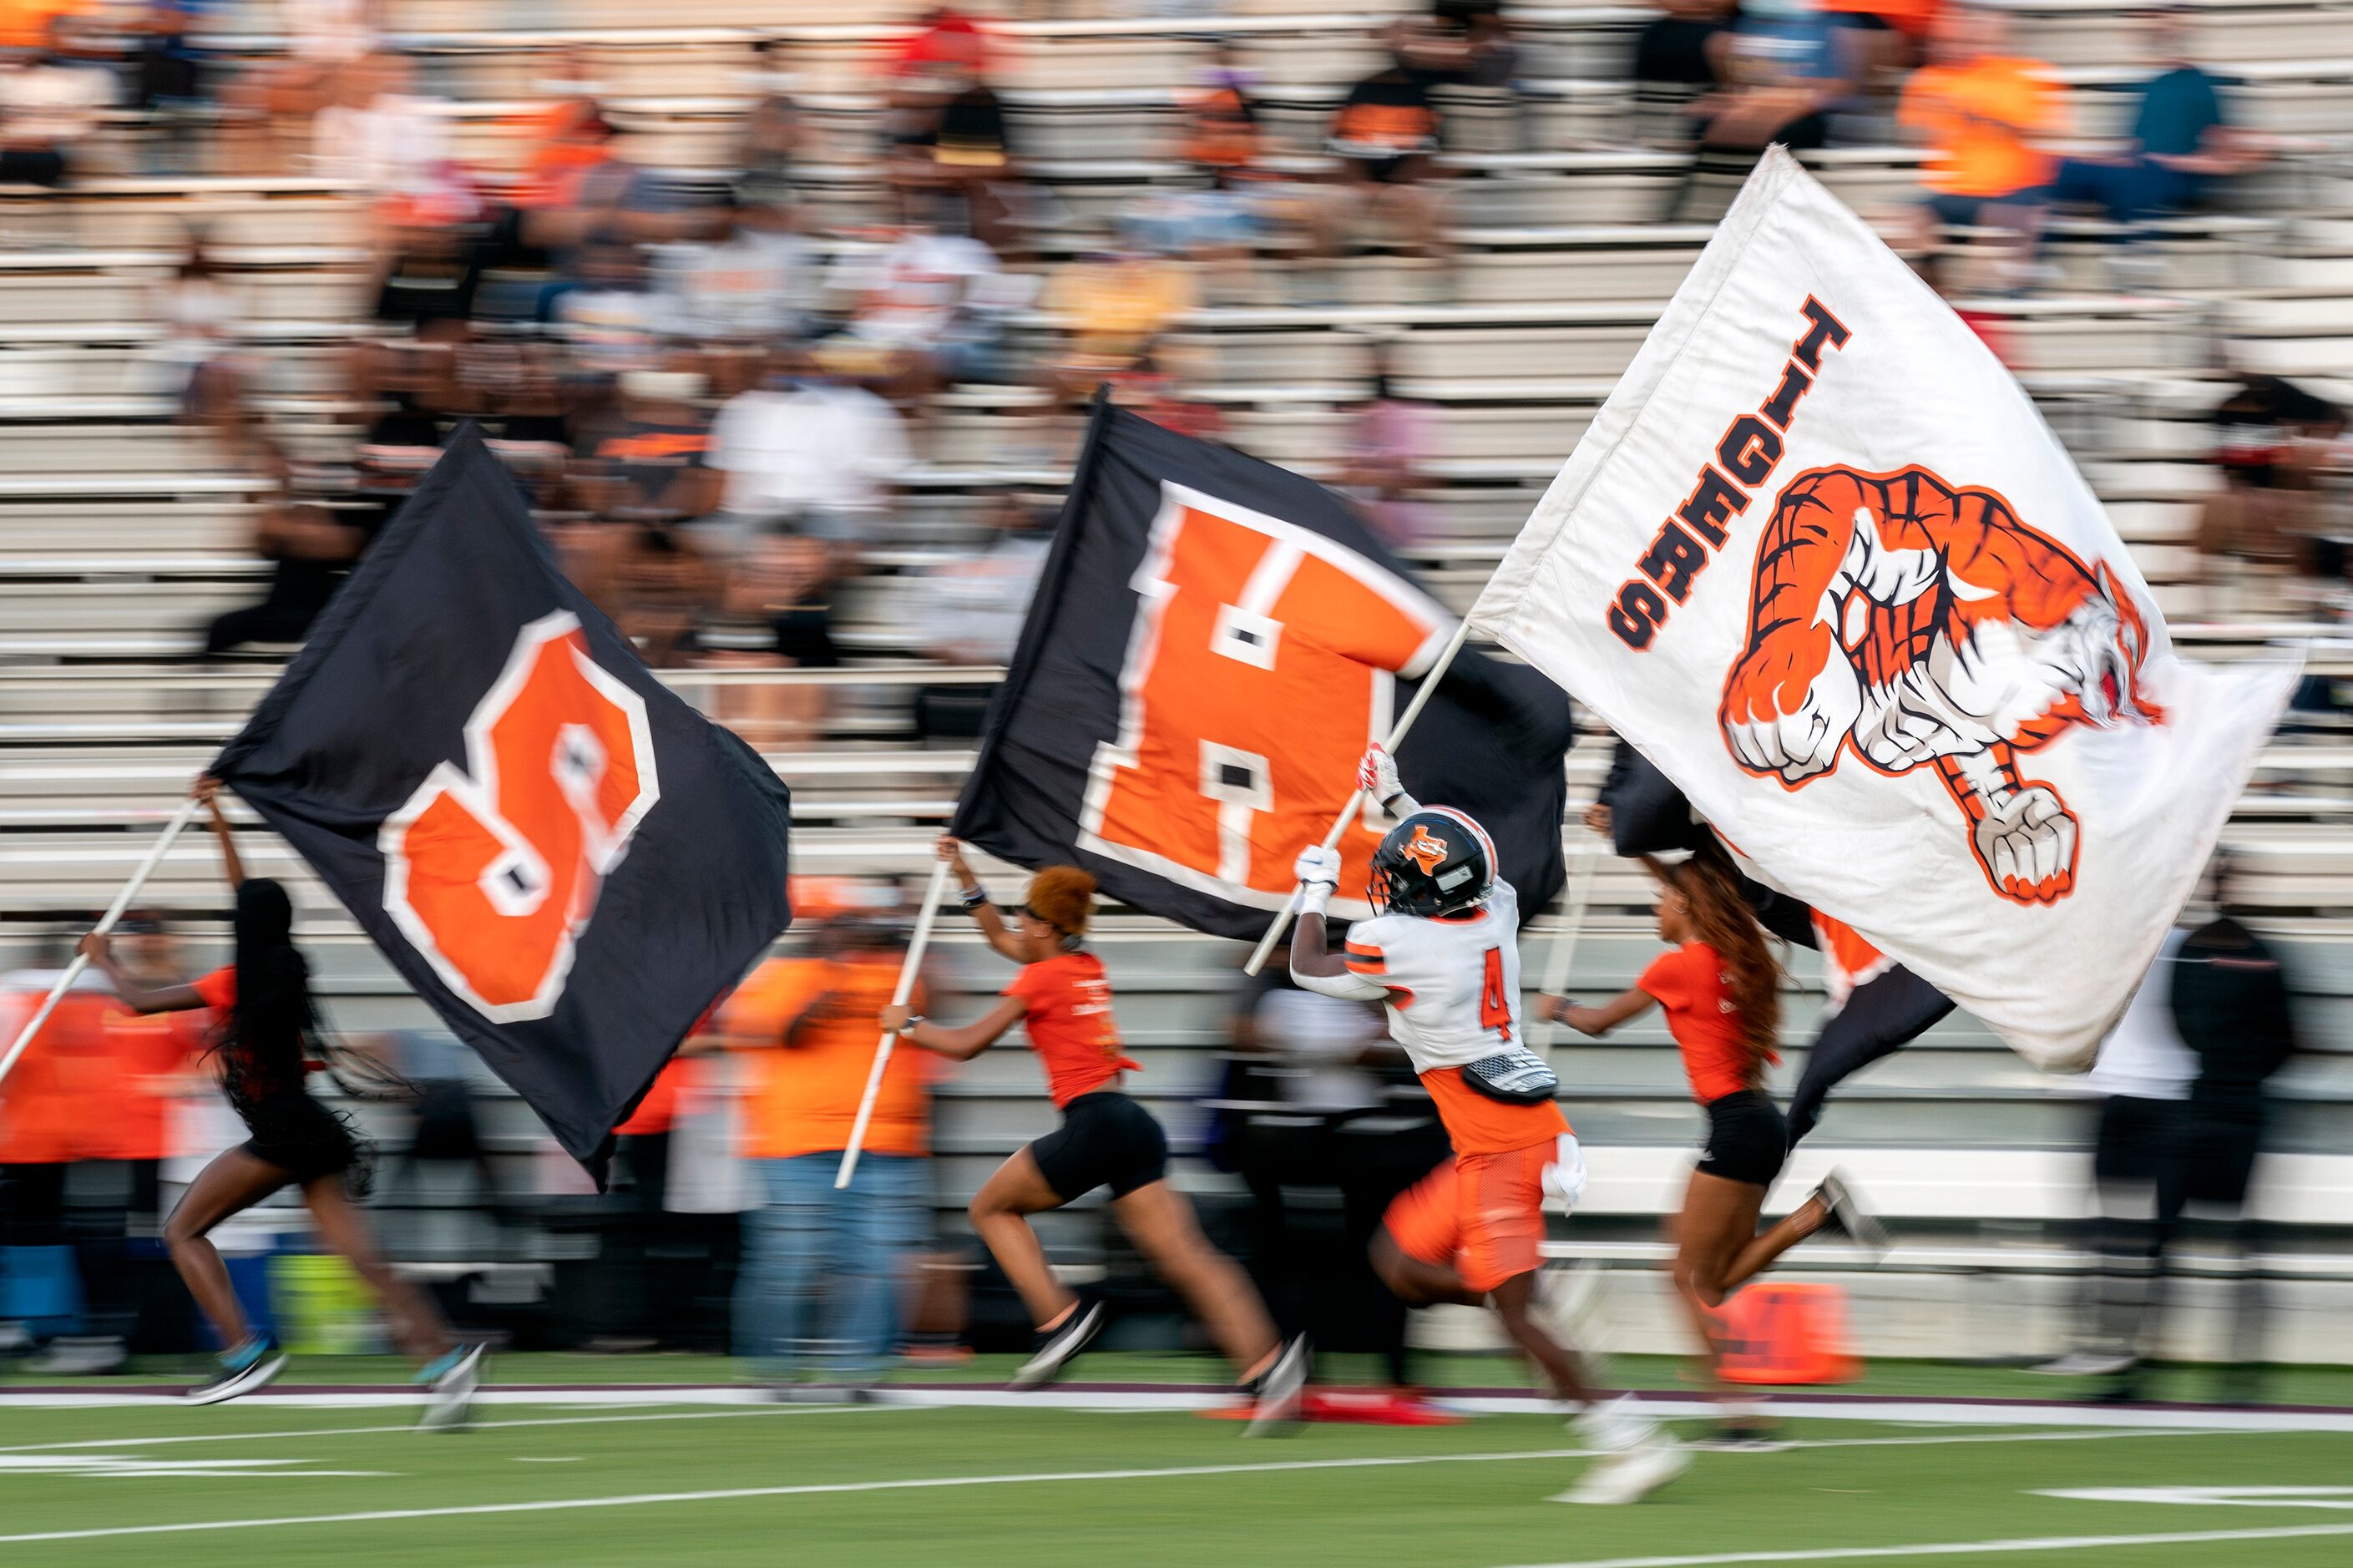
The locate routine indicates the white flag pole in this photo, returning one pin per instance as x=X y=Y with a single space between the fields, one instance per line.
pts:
x=180 y=819
x=1430 y=682
x=1563 y=941
x=907 y=968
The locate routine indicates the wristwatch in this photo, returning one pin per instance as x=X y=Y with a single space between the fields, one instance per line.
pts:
x=909 y=1026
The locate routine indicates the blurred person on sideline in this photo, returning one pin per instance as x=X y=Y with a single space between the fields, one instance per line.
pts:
x=825 y=1272
x=1385 y=136
x=122 y=1135
x=2178 y=1136
x=2181 y=137
x=268 y=1034
x=51 y=101
x=1982 y=112
x=2142 y=1077
x=1062 y=999
x=2263 y=537
x=198 y=365
x=1334 y=1131
x=53 y=1101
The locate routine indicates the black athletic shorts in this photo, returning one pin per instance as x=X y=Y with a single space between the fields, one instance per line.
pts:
x=302 y=1138
x=1746 y=1138
x=1106 y=1140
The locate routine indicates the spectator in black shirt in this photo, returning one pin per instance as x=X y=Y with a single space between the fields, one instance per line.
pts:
x=1385 y=136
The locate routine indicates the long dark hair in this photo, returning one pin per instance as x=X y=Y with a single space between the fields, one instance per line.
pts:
x=274 y=1018
x=272 y=1014
x=1721 y=918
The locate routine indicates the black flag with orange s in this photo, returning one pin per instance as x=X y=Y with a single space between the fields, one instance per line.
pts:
x=1214 y=643
x=560 y=855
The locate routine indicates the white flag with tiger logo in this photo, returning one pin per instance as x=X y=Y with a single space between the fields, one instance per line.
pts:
x=1821 y=561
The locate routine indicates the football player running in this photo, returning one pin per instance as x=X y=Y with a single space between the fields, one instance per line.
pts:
x=1442 y=956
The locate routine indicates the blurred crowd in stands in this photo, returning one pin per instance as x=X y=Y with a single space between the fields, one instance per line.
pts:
x=717 y=394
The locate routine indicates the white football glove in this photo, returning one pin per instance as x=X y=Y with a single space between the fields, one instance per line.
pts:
x=1376 y=775
x=1318 y=870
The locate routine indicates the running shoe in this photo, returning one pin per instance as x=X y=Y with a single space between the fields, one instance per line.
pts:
x=1059 y=1348
x=1849 y=1214
x=242 y=1369
x=2086 y=1364
x=1280 y=1393
x=1632 y=1473
x=450 y=1383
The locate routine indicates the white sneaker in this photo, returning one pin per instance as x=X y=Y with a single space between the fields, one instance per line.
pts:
x=453 y=1385
x=1630 y=1474
x=2086 y=1364
x=1062 y=1347
x=1281 y=1393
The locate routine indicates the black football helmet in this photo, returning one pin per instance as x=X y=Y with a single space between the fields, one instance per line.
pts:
x=1435 y=862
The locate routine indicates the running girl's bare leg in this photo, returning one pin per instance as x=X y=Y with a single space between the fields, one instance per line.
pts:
x=417 y=1322
x=1758 y=1255
x=235 y=1181
x=1718 y=1219
x=999 y=1211
x=1159 y=1220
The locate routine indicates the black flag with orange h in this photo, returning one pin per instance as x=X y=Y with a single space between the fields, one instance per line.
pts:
x=1214 y=643
x=560 y=855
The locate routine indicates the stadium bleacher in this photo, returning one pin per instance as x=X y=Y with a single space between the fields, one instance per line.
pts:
x=122 y=533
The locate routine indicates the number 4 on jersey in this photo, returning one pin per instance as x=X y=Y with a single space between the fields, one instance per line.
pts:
x=1494 y=1001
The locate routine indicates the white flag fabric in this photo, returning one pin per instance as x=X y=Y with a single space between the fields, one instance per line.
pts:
x=1822 y=562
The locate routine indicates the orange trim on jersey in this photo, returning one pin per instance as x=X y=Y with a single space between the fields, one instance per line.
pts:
x=1366 y=960
x=1400 y=997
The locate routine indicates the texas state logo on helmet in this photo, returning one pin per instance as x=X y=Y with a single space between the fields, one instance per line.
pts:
x=1435 y=862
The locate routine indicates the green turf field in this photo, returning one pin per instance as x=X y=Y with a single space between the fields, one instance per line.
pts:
x=1036 y=1487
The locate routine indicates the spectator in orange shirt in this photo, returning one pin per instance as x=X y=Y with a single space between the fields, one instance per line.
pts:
x=53 y=1093
x=806 y=1030
x=1981 y=111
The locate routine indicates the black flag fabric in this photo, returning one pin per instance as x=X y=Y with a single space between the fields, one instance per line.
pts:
x=561 y=855
x=1214 y=642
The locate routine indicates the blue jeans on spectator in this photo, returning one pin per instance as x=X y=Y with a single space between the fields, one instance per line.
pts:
x=819 y=1285
x=2127 y=192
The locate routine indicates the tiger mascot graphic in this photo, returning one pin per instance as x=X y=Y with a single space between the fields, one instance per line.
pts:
x=1917 y=622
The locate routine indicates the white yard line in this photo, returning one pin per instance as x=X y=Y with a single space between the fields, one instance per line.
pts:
x=1926 y=1412
x=1958 y=1548
x=411 y=1426
x=927 y=1483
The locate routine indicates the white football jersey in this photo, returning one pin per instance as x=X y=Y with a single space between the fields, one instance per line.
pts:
x=1453 y=987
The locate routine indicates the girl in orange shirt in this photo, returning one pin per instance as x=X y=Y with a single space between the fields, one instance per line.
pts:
x=267 y=1021
x=1105 y=1139
x=1721 y=989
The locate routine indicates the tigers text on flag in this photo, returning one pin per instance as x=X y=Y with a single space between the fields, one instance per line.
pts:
x=566 y=861
x=1214 y=643
x=1822 y=562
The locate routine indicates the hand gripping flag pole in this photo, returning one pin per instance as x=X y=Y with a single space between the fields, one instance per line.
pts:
x=180 y=819
x=907 y=968
x=1563 y=955
x=1429 y=684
